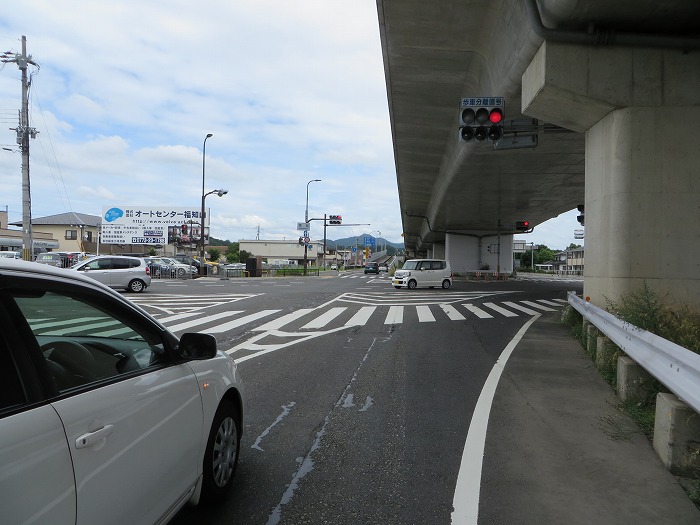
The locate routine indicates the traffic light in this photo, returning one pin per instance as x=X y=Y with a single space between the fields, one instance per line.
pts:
x=580 y=218
x=481 y=119
x=335 y=219
x=522 y=226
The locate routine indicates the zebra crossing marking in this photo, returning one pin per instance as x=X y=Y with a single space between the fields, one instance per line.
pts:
x=481 y=314
x=550 y=303
x=452 y=312
x=362 y=316
x=278 y=323
x=395 y=315
x=325 y=318
x=523 y=309
x=538 y=306
x=502 y=311
x=239 y=322
x=195 y=322
x=424 y=314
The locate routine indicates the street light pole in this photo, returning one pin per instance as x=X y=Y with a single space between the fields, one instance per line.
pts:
x=201 y=215
x=306 y=221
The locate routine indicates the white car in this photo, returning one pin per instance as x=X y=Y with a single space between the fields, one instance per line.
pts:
x=116 y=271
x=105 y=416
x=423 y=273
x=11 y=255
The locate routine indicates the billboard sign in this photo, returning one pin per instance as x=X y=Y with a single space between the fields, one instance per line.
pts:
x=149 y=225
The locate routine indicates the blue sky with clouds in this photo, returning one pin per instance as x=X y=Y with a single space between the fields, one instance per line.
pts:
x=127 y=91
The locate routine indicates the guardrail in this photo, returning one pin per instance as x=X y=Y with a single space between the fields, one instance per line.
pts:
x=676 y=367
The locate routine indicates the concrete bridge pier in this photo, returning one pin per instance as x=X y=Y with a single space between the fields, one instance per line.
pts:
x=472 y=251
x=639 y=109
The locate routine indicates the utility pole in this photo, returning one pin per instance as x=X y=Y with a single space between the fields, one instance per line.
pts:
x=23 y=134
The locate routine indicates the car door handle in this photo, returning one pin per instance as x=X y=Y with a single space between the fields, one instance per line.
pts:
x=91 y=438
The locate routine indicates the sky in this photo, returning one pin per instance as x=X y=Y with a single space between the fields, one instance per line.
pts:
x=127 y=91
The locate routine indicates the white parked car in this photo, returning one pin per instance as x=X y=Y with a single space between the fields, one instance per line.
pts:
x=105 y=416
x=423 y=273
x=116 y=271
x=11 y=255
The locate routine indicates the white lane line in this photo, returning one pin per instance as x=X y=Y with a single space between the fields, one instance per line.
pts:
x=202 y=320
x=481 y=314
x=502 y=311
x=538 y=306
x=362 y=316
x=516 y=306
x=281 y=321
x=395 y=315
x=466 y=498
x=452 y=312
x=424 y=314
x=324 y=319
x=239 y=322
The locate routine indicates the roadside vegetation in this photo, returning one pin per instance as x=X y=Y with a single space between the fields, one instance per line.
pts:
x=647 y=310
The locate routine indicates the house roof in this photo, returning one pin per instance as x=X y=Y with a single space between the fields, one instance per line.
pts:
x=68 y=218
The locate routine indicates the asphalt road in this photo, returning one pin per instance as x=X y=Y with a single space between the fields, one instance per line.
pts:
x=359 y=396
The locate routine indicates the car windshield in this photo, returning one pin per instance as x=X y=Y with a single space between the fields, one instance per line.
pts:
x=410 y=265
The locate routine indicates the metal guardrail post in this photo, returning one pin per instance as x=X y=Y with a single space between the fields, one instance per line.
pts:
x=676 y=367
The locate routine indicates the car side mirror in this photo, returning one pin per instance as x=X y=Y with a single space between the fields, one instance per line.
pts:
x=194 y=346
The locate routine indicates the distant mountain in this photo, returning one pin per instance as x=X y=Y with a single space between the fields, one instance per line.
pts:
x=358 y=240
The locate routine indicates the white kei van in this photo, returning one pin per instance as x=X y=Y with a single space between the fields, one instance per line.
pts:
x=424 y=273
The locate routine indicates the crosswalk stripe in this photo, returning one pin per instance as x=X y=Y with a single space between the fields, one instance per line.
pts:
x=452 y=312
x=239 y=322
x=424 y=314
x=202 y=320
x=550 y=303
x=481 y=314
x=539 y=306
x=395 y=315
x=325 y=318
x=362 y=316
x=83 y=328
x=278 y=323
x=561 y=301
x=523 y=309
x=176 y=317
x=502 y=311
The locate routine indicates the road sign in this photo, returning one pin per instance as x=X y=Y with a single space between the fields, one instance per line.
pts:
x=307 y=239
x=303 y=225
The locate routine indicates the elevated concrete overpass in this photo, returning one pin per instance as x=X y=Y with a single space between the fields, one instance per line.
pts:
x=615 y=91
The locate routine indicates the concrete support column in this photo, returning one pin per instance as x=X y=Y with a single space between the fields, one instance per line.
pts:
x=639 y=109
x=470 y=252
x=643 y=204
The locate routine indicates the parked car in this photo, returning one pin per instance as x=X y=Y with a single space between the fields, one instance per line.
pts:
x=181 y=269
x=383 y=268
x=50 y=258
x=105 y=416
x=372 y=267
x=186 y=259
x=423 y=273
x=11 y=255
x=334 y=266
x=165 y=266
x=116 y=271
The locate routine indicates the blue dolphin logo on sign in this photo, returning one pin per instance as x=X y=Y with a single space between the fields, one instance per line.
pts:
x=113 y=214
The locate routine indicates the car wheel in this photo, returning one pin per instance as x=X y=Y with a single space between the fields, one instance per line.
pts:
x=446 y=284
x=180 y=272
x=221 y=455
x=137 y=285
x=412 y=284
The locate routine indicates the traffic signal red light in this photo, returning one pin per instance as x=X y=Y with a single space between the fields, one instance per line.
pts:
x=522 y=225
x=481 y=118
x=335 y=219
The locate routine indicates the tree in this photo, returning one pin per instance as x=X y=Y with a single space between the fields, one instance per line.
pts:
x=214 y=254
x=573 y=246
